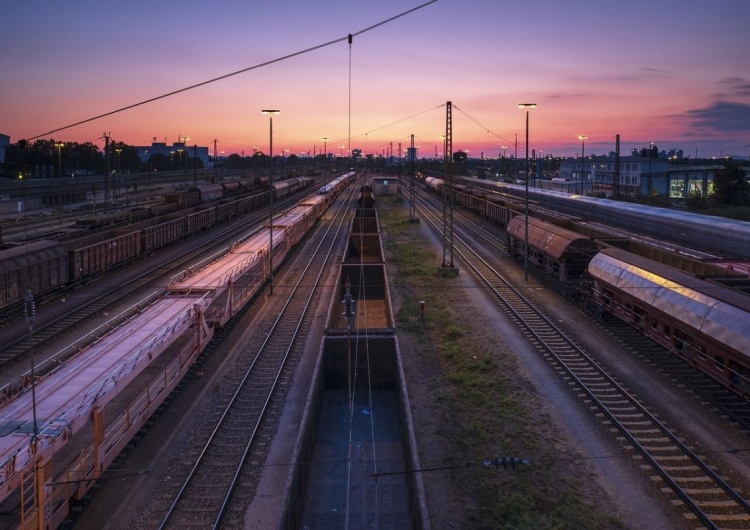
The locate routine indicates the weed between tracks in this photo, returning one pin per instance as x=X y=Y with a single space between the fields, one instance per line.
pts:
x=470 y=404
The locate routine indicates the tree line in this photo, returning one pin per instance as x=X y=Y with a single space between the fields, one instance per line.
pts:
x=47 y=158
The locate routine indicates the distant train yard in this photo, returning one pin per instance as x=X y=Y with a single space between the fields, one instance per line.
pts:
x=698 y=310
x=680 y=280
x=181 y=322
x=121 y=237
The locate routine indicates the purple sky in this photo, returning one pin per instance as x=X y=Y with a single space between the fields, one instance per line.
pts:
x=671 y=72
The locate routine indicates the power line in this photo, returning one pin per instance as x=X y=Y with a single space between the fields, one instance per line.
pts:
x=232 y=74
x=482 y=126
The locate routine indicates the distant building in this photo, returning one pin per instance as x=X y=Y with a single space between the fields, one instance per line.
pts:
x=4 y=143
x=638 y=176
x=692 y=181
x=144 y=153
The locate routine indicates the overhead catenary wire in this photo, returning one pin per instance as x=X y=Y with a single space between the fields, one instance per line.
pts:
x=482 y=126
x=235 y=73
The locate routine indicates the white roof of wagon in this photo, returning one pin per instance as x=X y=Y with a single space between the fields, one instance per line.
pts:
x=699 y=310
x=95 y=376
x=231 y=265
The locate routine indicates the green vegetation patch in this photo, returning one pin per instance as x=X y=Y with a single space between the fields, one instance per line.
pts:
x=483 y=407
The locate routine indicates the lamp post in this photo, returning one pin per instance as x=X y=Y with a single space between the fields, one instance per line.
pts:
x=184 y=176
x=582 y=138
x=325 y=159
x=117 y=172
x=270 y=113
x=183 y=140
x=59 y=146
x=527 y=106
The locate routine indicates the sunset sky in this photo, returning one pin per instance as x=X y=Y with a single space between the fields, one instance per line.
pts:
x=665 y=71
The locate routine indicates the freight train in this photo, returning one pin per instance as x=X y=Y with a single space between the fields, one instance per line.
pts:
x=693 y=315
x=152 y=349
x=46 y=265
x=729 y=237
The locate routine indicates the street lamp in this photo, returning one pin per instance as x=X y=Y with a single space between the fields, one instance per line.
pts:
x=270 y=113
x=59 y=146
x=527 y=106
x=117 y=171
x=184 y=140
x=325 y=159
x=582 y=138
x=184 y=176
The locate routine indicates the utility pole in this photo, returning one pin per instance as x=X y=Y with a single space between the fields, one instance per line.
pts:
x=106 y=176
x=448 y=268
x=412 y=184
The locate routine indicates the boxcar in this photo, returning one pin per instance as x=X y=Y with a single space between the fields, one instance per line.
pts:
x=210 y=192
x=103 y=255
x=705 y=324
x=164 y=234
x=226 y=211
x=282 y=189
x=498 y=213
x=295 y=222
x=563 y=253
x=317 y=202
x=201 y=220
x=39 y=266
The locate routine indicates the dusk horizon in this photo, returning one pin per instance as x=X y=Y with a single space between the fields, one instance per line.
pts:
x=677 y=77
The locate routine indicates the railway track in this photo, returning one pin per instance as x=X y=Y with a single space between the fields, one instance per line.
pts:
x=220 y=479
x=19 y=347
x=724 y=402
x=708 y=499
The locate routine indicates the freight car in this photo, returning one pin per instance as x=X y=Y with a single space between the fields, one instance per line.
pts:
x=366 y=197
x=484 y=204
x=701 y=321
x=115 y=217
x=187 y=316
x=707 y=325
x=729 y=237
x=38 y=265
x=337 y=184
x=209 y=192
